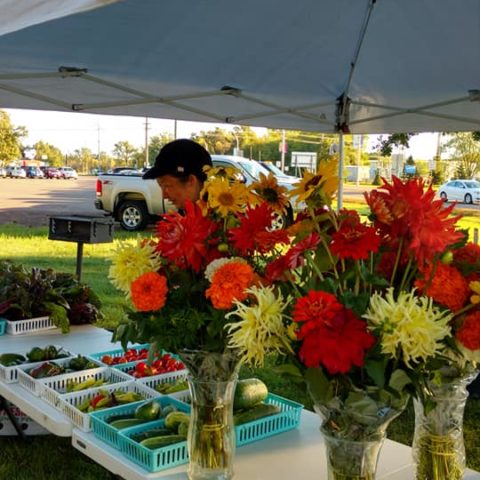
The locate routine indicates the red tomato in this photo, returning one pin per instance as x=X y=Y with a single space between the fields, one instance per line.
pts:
x=107 y=359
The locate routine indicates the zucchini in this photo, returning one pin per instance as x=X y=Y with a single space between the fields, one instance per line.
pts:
x=249 y=392
x=126 y=423
x=156 y=432
x=161 y=441
x=255 y=413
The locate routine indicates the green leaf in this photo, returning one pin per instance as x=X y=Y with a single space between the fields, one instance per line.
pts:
x=399 y=380
x=376 y=370
x=318 y=385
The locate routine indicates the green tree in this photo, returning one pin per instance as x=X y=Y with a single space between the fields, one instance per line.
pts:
x=155 y=144
x=466 y=150
x=83 y=160
x=10 y=137
x=218 y=141
x=125 y=154
x=50 y=154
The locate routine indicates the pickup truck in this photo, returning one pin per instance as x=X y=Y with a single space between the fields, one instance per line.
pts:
x=135 y=202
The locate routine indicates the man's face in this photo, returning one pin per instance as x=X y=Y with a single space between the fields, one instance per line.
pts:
x=178 y=191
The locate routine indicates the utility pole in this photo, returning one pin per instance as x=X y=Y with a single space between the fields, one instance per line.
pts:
x=282 y=161
x=146 y=143
x=174 y=129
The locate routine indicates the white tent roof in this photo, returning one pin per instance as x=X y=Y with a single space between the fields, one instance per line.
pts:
x=364 y=66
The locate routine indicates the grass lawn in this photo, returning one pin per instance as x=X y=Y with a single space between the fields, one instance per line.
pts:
x=52 y=458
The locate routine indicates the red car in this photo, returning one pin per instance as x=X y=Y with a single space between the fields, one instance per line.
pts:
x=51 y=172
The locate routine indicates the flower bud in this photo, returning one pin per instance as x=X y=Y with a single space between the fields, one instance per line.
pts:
x=222 y=247
x=447 y=257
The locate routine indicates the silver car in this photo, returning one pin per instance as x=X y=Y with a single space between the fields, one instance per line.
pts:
x=467 y=191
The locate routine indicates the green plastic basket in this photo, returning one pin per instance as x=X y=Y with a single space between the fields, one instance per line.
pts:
x=3 y=325
x=105 y=432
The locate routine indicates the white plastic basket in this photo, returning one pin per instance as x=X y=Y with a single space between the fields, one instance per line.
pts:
x=10 y=374
x=19 y=327
x=69 y=402
x=33 y=384
x=170 y=377
x=51 y=389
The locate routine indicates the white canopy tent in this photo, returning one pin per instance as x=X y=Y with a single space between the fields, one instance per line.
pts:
x=359 y=66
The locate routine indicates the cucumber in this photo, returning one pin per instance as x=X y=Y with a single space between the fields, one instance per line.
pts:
x=255 y=413
x=126 y=423
x=156 y=432
x=249 y=392
x=161 y=441
x=173 y=419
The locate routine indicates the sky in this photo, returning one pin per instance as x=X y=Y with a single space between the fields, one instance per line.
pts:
x=99 y=133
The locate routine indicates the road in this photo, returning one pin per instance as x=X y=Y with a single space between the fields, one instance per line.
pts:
x=31 y=201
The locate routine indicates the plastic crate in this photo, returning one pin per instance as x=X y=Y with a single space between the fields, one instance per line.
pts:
x=10 y=374
x=160 y=458
x=31 y=325
x=3 y=326
x=51 y=389
x=69 y=402
x=33 y=384
x=163 y=378
x=105 y=432
x=287 y=419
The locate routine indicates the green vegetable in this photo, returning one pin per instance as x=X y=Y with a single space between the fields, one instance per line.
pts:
x=173 y=419
x=50 y=352
x=166 y=410
x=156 y=432
x=11 y=359
x=161 y=441
x=249 y=392
x=126 y=423
x=148 y=411
x=255 y=413
x=78 y=363
x=47 y=369
x=36 y=354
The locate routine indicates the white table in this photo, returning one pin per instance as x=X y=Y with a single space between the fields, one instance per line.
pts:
x=297 y=454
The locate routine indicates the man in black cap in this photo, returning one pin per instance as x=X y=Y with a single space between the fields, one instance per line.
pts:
x=178 y=170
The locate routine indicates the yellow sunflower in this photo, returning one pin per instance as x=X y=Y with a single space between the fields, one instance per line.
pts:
x=319 y=188
x=270 y=191
x=225 y=198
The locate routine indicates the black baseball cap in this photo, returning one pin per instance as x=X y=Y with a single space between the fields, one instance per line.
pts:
x=180 y=158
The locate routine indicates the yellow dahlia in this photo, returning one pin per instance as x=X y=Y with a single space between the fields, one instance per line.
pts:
x=260 y=329
x=131 y=261
x=409 y=327
x=270 y=191
x=475 y=287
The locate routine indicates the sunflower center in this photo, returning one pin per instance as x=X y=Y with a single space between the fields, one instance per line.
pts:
x=226 y=199
x=270 y=195
x=314 y=181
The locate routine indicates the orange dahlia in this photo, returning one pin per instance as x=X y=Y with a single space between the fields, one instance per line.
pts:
x=229 y=283
x=447 y=287
x=149 y=292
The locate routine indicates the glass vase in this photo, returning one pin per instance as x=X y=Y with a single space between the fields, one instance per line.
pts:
x=438 y=447
x=352 y=459
x=211 y=435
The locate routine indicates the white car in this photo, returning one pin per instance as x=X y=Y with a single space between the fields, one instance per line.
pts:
x=68 y=172
x=467 y=191
x=16 y=172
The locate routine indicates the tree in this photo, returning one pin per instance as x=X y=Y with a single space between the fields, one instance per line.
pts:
x=395 y=139
x=218 y=141
x=48 y=153
x=466 y=150
x=10 y=137
x=83 y=160
x=155 y=145
x=125 y=153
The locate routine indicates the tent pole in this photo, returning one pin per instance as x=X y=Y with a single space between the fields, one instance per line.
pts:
x=341 y=151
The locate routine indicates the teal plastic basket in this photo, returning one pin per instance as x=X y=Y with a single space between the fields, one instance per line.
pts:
x=3 y=326
x=287 y=419
x=105 y=432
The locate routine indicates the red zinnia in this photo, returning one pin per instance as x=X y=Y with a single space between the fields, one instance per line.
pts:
x=338 y=346
x=355 y=241
x=469 y=334
x=149 y=292
x=183 y=238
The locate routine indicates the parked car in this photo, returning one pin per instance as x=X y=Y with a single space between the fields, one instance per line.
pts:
x=3 y=172
x=467 y=191
x=52 y=172
x=34 y=172
x=68 y=172
x=278 y=173
x=16 y=172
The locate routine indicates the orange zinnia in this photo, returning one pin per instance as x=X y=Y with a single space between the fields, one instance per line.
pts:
x=469 y=334
x=448 y=287
x=229 y=283
x=149 y=292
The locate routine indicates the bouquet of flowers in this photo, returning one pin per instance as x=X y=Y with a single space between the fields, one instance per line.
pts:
x=183 y=282
x=376 y=309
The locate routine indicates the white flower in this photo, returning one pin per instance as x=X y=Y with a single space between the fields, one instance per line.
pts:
x=214 y=265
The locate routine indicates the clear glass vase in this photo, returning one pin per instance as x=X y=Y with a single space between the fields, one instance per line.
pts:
x=438 y=447
x=352 y=459
x=211 y=434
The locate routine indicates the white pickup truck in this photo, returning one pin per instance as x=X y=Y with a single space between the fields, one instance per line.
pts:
x=135 y=202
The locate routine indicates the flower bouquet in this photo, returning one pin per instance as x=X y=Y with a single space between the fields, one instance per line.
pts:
x=185 y=281
x=365 y=327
